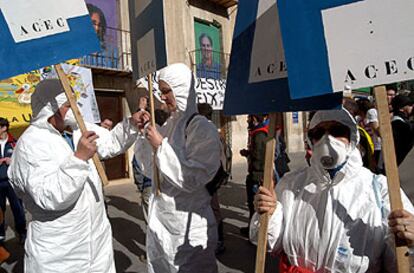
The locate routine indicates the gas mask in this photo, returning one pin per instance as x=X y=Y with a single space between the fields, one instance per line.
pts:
x=70 y=120
x=330 y=152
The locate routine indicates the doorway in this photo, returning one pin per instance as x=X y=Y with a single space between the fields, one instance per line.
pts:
x=110 y=106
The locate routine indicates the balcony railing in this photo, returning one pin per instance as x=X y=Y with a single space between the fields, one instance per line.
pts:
x=115 y=51
x=209 y=64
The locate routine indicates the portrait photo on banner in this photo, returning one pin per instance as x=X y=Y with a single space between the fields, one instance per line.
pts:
x=104 y=17
x=208 y=50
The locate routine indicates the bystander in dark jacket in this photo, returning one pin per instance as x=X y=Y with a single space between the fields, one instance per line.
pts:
x=402 y=128
x=255 y=153
x=7 y=144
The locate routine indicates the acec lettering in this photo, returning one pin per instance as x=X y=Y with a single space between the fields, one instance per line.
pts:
x=42 y=26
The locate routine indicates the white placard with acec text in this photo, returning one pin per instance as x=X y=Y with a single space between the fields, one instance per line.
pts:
x=370 y=43
x=33 y=19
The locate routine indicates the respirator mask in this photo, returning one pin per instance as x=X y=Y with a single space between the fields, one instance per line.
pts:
x=70 y=120
x=330 y=152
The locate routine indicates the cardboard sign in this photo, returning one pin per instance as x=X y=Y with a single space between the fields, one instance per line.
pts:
x=257 y=77
x=147 y=37
x=35 y=34
x=335 y=44
x=209 y=91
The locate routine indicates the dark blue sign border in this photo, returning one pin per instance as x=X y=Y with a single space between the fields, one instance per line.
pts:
x=243 y=97
x=152 y=17
x=19 y=58
x=305 y=47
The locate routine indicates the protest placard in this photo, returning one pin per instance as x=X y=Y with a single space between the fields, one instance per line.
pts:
x=148 y=41
x=333 y=44
x=257 y=77
x=35 y=34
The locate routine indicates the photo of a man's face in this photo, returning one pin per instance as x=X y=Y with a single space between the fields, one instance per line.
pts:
x=206 y=45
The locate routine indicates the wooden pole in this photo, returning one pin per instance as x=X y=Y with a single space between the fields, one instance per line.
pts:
x=156 y=176
x=391 y=169
x=71 y=98
x=268 y=184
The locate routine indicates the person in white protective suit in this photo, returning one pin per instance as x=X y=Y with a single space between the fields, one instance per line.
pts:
x=334 y=216
x=60 y=187
x=182 y=233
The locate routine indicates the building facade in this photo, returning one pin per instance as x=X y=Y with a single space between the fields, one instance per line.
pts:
x=198 y=33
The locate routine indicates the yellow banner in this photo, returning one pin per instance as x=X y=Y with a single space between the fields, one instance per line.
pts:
x=15 y=94
x=18 y=115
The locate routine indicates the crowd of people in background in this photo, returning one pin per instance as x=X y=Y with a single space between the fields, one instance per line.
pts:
x=7 y=146
x=179 y=165
x=363 y=110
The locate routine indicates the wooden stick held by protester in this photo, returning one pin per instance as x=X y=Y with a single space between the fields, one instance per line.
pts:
x=71 y=98
x=156 y=175
x=268 y=184
x=391 y=169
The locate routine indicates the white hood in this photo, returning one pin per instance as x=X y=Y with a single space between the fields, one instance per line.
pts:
x=342 y=116
x=180 y=78
x=354 y=161
x=48 y=97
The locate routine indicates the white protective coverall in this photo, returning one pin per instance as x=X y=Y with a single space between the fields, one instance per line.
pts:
x=69 y=231
x=333 y=225
x=182 y=232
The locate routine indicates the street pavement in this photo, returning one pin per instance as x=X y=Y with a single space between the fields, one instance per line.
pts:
x=128 y=226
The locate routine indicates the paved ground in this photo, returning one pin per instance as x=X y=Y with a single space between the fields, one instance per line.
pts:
x=129 y=229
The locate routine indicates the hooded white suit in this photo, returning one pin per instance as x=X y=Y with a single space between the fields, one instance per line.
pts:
x=182 y=231
x=70 y=231
x=334 y=225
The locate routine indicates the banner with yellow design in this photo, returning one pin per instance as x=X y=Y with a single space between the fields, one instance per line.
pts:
x=15 y=94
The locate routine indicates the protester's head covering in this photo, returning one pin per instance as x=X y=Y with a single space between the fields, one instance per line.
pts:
x=47 y=98
x=400 y=101
x=180 y=78
x=342 y=116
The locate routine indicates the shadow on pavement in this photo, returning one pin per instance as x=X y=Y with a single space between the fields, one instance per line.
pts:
x=131 y=208
x=126 y=232
x=240 y=254
x=122 y=262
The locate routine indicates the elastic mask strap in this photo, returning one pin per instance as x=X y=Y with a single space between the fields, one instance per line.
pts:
x=333 y=172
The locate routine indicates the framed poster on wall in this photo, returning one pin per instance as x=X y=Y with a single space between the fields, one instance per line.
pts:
x=104 y=17
x=208 y=50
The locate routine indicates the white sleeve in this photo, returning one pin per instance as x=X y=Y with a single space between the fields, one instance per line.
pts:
x=51 y=187
x=274 y=229
x=117 y=141
x=197 y=164
x=389 y=252
x=408 y=206
x=144 y=155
